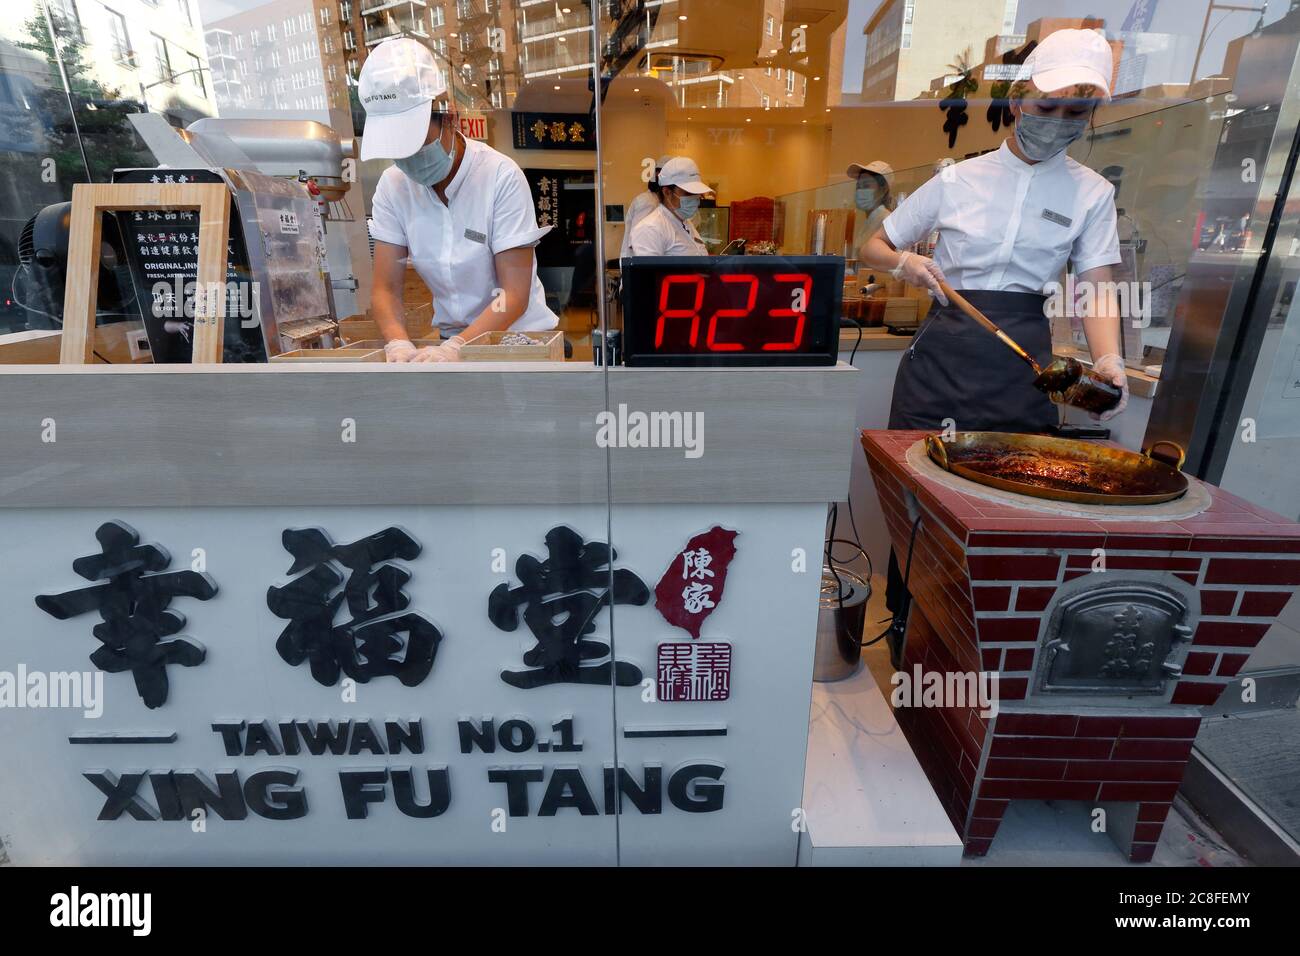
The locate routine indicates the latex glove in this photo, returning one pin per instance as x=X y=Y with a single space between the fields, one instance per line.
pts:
x=1111 y=366
x=448 y=351
x=921 y=272
x=400 y=350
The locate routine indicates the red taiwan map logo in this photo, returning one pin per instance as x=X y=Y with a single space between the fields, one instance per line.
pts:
x=692 y=586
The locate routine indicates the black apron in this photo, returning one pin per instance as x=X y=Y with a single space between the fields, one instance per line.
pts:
x=955 y=369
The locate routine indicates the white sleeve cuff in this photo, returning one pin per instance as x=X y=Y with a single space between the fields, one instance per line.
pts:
x=529 y=237
x=384 y=235
x=1105 y=259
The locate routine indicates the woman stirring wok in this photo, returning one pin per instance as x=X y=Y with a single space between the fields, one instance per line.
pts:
x=1008 y=222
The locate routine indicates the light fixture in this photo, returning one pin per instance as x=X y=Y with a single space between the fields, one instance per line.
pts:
x=557 y=86
x=563 y=39
x=816 y=78
x=681 y=16
x=565 y=10
x=803 y=26
x=636 y=89
x=749 y=119
x=453 y=35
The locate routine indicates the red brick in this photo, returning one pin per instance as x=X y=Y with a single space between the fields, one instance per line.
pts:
x=990 y=809
x=1036 y=725
x=1199 y=664
x=977 y=847
x=1252 y=571
x=1099 y=726
x=1246 y=542
x=1191 y=579
x=1118 y=790
x=1231 y=664
x=1262 y=603
x=1218 y=602
x=1147 y=542
x=1181 y=728
x=991 y=658
x=1093 y=748
x=1019 y=659
x=1147 y=832
x=1014 y=567
x=1136 y=562
x=1013 y=688
x=1153 y=812
x=1154 y=771
x=1016 y=769
x=1033 y=599
x=1197 y=693
x=1005 y=629
x=1229 y=634
x=1047 y=542
x=1072 y=575
x=1133 y=748
x=991 y=599
x=1046 y=789
x=1142 y=852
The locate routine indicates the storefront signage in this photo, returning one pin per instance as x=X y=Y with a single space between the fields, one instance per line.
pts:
x=553 y=131
x=385 y=666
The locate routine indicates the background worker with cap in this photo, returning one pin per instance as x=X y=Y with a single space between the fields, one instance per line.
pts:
x=460 y=210
x=644 y=203
x=1008 y=222
x=667 y=230
x=873 y=196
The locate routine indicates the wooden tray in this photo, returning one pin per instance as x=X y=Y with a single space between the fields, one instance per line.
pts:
x=488 y=348
x=331 y=355
x=379 y=343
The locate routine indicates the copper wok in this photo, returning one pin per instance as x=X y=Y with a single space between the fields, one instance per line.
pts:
x=1061 y=469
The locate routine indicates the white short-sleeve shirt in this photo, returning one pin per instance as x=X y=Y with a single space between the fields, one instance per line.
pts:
x=644 y=203
x=1008 y=226
x=661 y=232
x=489 y=210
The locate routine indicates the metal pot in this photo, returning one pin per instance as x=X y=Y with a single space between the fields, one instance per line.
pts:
x=839 y=625
x=1061 y=469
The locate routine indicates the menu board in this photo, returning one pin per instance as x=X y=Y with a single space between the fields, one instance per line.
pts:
x=163 y=253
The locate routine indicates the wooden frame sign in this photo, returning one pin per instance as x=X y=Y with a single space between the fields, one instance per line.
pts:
x=89 y=202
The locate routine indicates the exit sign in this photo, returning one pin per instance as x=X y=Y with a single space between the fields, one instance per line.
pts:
x=473 y=125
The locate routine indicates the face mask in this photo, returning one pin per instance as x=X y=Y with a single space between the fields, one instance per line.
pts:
x=866 y=198
x=1042 y=137
x=427 y=166
x=690 y=205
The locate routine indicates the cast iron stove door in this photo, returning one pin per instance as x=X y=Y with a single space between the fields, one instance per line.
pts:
x=1115 y=639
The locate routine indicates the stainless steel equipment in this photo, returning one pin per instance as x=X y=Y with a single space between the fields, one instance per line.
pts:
x=839 y=624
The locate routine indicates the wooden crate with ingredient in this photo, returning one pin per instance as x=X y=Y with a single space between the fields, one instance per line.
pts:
x=504 y=346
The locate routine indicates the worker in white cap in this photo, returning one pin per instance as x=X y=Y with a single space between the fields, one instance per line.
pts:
x=667 y=230
x=644 y=203
x=873 y=196
x=461 y=211
x=1008 y=224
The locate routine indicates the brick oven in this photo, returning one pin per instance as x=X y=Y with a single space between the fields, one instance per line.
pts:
x=1102 y=673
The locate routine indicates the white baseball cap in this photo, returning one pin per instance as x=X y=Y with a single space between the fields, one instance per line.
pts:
x=880 y=168
x=398 y=84
x=681 y=171
x=1069 y=58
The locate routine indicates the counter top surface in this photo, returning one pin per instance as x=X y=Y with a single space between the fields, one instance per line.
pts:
x=470 y=433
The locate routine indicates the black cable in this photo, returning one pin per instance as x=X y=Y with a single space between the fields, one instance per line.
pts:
x=900 y=618
x=858 y=325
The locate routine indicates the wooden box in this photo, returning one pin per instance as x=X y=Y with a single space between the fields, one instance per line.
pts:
x=488 y=348
x=331 y=355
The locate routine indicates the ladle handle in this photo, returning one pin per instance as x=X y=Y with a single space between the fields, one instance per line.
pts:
x=957 y=299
